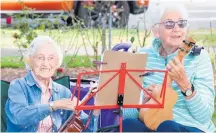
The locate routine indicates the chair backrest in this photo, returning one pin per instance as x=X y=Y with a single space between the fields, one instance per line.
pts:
x=65 y=81
x=4 y=97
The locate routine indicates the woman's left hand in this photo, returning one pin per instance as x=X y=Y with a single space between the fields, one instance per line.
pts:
x=178 y=74
x=93 y=88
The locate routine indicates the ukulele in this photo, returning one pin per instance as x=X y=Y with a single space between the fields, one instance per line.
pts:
x=74 y=123
x=154 y=116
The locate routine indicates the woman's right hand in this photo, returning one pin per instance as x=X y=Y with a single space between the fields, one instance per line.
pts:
x=65 y=104
x=154 y=90
x=151 y=89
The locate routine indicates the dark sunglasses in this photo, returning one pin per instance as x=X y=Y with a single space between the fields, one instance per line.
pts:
x=169 y=24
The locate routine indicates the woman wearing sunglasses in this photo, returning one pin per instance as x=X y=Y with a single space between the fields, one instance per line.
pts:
x=192 y=78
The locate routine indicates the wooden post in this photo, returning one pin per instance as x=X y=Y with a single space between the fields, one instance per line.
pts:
x=211 y=28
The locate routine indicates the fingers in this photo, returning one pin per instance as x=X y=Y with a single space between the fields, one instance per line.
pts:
x=175 y=67
x=74 y=101
x=150 y=89
x=172 y=65
x=70 y=106
x=177 y=71
x=67 y=104
x=93 y=87
x=176 y=61
x=96 y=112
x=154 y=90
x=169 y=68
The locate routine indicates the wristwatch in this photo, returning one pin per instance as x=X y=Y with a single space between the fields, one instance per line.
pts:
x=51 y=104
x=189 y=91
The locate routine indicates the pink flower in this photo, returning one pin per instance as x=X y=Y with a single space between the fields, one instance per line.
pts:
x=8 y=20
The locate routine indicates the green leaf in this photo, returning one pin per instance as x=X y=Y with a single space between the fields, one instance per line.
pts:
x=24 y=46
x=132 y=39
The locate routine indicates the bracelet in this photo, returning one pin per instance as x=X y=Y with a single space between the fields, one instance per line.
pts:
x=52 y=109
x=51 y=106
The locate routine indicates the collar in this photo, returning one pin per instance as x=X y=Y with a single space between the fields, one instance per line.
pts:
x=31 y=81
x=38 y=83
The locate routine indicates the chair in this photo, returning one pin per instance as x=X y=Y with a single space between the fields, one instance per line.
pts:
x=65 y=81
x=4 y=97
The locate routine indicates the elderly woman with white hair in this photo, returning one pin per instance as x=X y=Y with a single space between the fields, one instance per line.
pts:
x=192 y=78
x=36 y=103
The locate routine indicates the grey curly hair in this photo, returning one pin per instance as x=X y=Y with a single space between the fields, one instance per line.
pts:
x=38 y=42
x=155 y=12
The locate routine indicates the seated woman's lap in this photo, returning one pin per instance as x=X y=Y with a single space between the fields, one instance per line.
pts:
x=135 y=125
x=172 y=126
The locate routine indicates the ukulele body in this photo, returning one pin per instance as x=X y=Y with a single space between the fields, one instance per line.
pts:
x=73 y=124
x=155 y=116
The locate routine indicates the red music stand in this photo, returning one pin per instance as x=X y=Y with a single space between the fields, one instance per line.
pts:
x=122 y=72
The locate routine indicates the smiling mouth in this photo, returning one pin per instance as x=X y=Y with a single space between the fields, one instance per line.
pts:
x=45 y=69
x=176 y=37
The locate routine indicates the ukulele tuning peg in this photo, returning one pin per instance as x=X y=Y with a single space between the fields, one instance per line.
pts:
x=188 y=43
x=196 y=50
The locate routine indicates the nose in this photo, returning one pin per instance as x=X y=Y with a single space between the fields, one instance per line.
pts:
x=45 y=62
x=176 y=27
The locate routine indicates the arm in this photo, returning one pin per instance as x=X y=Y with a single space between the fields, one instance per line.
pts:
x=67 y=113
x=19 y=111
x=201 y=105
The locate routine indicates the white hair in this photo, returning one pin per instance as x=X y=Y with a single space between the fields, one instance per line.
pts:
x=38 y=42
x=156 y=12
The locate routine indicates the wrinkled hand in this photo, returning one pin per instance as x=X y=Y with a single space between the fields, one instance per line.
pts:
x=152 y=89
x=93 y=88
x=178 y=74
x=66 y=104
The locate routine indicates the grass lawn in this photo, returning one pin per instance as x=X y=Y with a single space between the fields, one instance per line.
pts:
x=76 y=37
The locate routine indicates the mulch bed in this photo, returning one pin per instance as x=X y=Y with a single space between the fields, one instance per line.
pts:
x=9 y=74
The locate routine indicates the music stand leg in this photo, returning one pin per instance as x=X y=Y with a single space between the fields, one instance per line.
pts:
x=120 y=119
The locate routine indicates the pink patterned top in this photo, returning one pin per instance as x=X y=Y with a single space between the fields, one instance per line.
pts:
x=46 y=124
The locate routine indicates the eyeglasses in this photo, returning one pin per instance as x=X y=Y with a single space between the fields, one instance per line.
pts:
x=41 y=58
x=169 y=24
